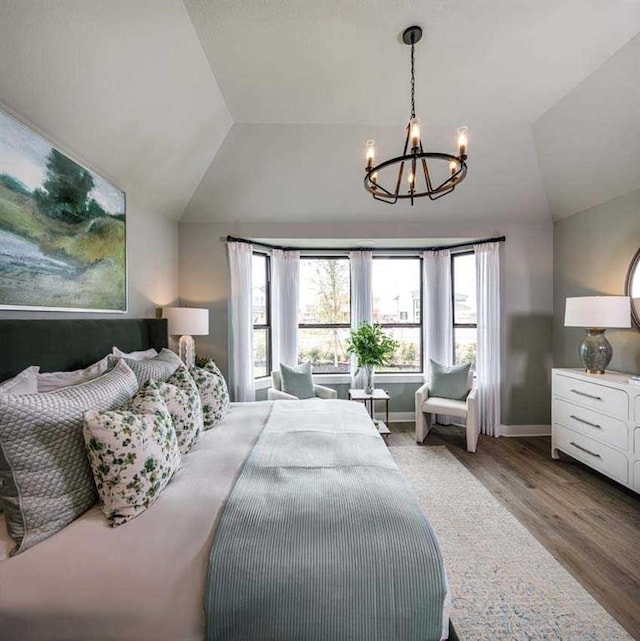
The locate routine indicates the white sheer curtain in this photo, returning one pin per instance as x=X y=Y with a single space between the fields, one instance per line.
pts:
x=361 y=263
x=240 y=323
x=438 y=313
x=488 y=355
x=285 y=291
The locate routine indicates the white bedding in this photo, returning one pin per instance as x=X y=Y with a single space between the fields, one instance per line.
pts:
x=143 y=580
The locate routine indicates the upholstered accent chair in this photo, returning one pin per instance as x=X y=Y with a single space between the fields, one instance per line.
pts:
x=428 y=406
x=275 y=392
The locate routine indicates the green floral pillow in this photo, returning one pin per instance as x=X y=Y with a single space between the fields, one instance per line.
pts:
x=182 y=399
x=213 y=391
x=133 y=454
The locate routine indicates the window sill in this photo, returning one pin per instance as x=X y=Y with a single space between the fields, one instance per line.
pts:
x=345 y=379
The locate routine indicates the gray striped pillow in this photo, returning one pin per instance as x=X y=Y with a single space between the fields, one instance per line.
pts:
x=45 y=476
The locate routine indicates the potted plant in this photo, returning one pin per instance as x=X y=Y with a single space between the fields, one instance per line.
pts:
x=372 y=347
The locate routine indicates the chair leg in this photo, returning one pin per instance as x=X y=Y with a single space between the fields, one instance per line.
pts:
x=423 y=426
x=472 y=435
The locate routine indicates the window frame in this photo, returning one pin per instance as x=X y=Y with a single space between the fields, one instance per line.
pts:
x=419 y=325
x=455 y=325
x=267 y=325
x=328 y=325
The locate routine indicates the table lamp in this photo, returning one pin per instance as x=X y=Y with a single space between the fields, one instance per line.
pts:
x=187 y=322
x=596 y=314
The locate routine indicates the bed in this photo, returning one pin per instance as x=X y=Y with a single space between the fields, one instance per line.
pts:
x=191 y=568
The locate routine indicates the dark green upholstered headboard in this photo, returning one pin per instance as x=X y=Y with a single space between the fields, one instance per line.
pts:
x=63 y=345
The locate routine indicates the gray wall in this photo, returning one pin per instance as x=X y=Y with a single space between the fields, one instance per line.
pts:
x=592 y=252
x=526 y=292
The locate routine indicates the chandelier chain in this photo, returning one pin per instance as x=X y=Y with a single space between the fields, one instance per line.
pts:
x=413 y=85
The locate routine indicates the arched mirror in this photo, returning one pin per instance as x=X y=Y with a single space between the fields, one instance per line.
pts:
x=633 y=287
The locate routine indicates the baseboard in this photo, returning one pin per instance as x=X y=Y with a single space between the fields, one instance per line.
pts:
x=525 y=430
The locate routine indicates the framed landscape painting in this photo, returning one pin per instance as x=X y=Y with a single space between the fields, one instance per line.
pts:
x=62 y=229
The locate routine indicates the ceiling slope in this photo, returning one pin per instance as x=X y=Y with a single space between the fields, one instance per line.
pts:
x=124 y=86
x=589 y=143
x=310 y=173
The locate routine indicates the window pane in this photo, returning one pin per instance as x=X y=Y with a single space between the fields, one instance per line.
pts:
x=260 y=353
x=325 y=348
x=396 y=290
x=464 y=283
x=407 y=357
x=466 y=343
x=259 y=289
x=324 y=290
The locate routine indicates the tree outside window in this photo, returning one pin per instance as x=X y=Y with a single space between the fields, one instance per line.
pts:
x=325 y=313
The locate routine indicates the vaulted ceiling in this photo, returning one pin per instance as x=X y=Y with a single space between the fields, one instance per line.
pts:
x=257 y=110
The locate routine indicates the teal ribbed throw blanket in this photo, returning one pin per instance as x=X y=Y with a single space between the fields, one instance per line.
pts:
x=322 y=540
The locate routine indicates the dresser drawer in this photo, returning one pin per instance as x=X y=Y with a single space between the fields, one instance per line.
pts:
x=606 y=429
x=636 y=447
x=637 y=412
x=594 y=454
x=594 y=395
x=636 y=476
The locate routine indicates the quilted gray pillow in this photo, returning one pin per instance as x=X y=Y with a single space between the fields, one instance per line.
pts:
x=45 y=477
x=159 y=368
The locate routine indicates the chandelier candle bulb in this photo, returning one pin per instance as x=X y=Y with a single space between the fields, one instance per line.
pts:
x=462 y=141
x=414 y=125
x=371 y=152
x=453 y=167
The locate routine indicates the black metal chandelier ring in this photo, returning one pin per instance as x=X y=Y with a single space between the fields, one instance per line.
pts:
x=379 y=192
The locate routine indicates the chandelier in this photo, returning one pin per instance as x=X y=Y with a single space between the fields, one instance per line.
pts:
x=428 y=173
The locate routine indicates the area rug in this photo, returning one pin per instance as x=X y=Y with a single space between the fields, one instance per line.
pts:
x=505 y=585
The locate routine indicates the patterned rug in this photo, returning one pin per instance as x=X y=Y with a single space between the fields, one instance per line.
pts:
x=505 y=584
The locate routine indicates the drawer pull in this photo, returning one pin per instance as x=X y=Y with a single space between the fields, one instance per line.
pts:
x=584 y=449
x=592 y=396
x=581 y=420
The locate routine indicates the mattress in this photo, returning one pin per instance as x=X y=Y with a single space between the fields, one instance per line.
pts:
x=144 y=580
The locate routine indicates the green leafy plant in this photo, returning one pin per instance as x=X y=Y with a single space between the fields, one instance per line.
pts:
x=371 y=345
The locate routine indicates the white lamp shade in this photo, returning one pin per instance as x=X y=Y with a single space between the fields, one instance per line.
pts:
x=190 y=321
x=598 y=311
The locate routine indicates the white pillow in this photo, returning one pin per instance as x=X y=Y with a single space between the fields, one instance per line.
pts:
x=24 y=383
x=142 y=355
x=49 y=381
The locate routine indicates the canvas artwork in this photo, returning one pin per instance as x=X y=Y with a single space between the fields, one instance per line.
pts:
x=62 y=229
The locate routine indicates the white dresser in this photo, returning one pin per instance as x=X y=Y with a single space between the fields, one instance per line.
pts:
x=596 y=419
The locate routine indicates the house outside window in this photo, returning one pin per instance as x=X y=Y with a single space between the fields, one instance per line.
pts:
x=465 y=328
x=261 y=311
x=397 y=306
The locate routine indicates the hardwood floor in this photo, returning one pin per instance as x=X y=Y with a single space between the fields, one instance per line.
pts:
x=588 y=522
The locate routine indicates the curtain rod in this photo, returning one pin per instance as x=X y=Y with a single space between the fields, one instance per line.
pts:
x=482 y=241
